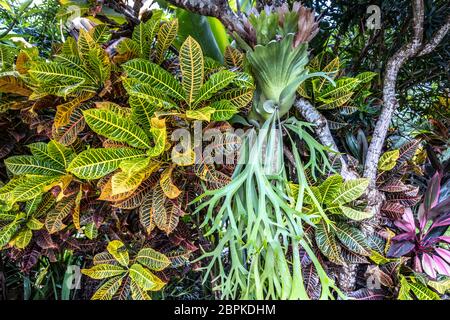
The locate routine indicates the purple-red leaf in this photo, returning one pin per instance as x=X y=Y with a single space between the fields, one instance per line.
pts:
x=432 y=195
x=441 y=266
x=445 y=254
x=428 y=265
x=400 y=248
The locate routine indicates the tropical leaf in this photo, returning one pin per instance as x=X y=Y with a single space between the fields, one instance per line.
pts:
x=137 y=293
x=142 y=276
x=104 y=258
x=329 y=189
x=146 y=213
x=224 y=110
x=240 y=98
x=152 y=259
x=118 y=250
x=96 y=163
x=167 y=186
x=215 y=83
x=354 y=214
x=352 y=238
x=388 y=160
x=192 y=68
x=54 y=219
x=155 y=76
x=20 y=165
x=22 y=239
x=108 y=289
x=166 y=36
x=165 y=217
x=203 y=114
x=102 y=271
x=422 y=292
x=233 y=57
x=327 y=243
x=159 y=134
x=351 y=190
x=32 y=187
x=115 y=127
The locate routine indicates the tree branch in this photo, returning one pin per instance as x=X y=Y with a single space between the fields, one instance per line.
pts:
x=323 y=132
x=389 y=93
x=436 y=39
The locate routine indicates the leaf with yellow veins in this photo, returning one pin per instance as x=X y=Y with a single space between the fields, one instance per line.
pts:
x=192 y=68
x=142 y=276
x=102 y=271
x=108 y=289
x=159 y=134
x=169 y=189
x=203 y=114
x=118 y=250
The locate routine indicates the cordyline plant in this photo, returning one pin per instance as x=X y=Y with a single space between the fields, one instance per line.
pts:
x=423 y=236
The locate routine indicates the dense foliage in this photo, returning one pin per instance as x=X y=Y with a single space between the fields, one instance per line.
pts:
x=144 y=159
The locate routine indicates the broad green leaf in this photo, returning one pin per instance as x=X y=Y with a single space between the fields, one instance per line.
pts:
x=96 y=163
x=215 y=83
x=442 y=286
x=352 y=238
x=152 y=259
x=59 y=153
x=351 y=190
x=155 y=76
x=166 y=35
x=34 y=224
x=422 y=292
x=240 y=98
x=118 y=250
x=354 y=214
x=388 y=160
x=203 y=114
x=223 y=110
x=91 y=231
x=379 y=258
x=142 y=276
x=329 y=189
x=100 y=33
x=7 y=232
x=108 y=289
x=134 y=165
x=32 y=187
x=403 y=293
x=102 y=271
x=22 y=239
x=122 y=182
x=327 y=243
x=192 y=68
x=104 y=258
x=113 y=107
x=20 y=165
x=115 y=127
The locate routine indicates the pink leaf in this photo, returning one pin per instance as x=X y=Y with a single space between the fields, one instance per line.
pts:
x=441 y=266
x=428 y=265
x=445 y=254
